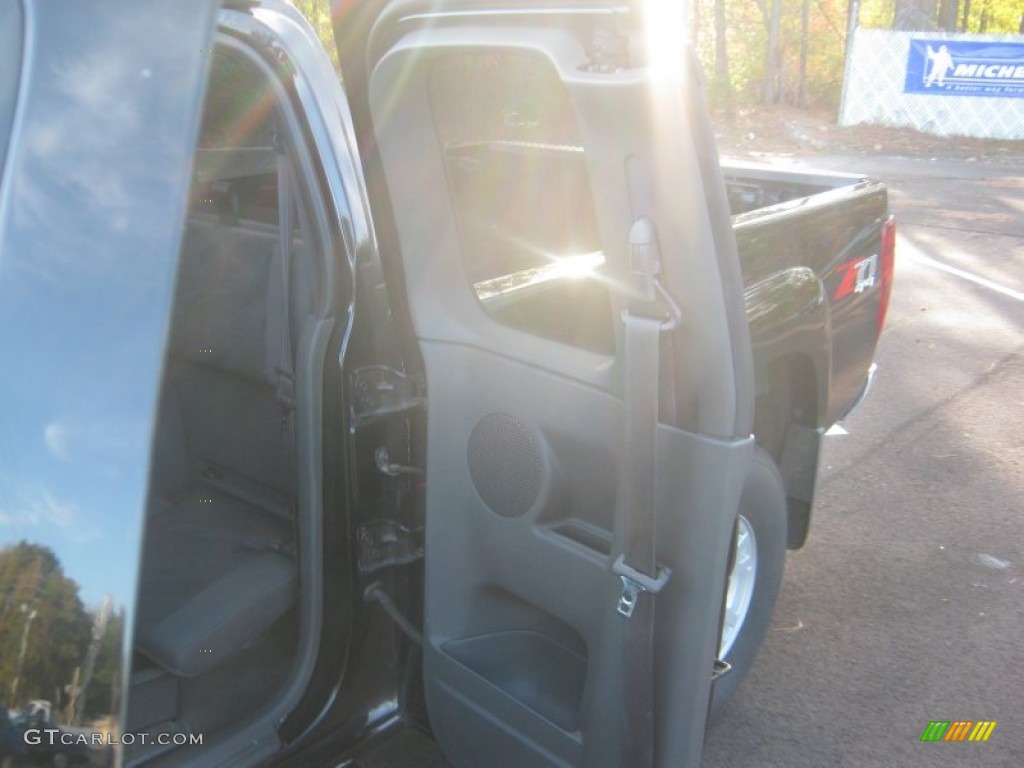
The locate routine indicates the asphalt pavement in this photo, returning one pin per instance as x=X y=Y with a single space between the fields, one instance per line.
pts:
x=906 y=606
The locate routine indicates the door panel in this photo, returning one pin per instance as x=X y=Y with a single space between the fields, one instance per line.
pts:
x=523 y=644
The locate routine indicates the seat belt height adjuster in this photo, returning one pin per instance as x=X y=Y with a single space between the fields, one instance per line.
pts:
x=634 y=583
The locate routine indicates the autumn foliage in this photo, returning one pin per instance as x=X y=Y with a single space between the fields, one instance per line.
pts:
x=793 y=51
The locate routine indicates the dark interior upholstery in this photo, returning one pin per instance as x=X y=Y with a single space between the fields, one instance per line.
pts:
x=217 y=621
x=219 y=570
x=218 y=576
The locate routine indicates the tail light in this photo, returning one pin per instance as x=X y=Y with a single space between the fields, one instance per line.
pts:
x=887 y=269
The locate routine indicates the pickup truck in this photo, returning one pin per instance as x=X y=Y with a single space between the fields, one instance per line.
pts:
x=461 y=412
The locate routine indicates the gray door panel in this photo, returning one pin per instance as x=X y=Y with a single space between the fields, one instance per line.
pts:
x=518 y=606
x=523 y=644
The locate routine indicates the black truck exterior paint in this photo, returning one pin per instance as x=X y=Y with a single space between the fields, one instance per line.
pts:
x=813 y=351
x=97 y=136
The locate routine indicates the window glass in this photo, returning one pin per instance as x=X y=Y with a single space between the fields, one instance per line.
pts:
x=11 y=31
x=239 y=106
x=236 y=165
x=518 y=180
x=223 y=486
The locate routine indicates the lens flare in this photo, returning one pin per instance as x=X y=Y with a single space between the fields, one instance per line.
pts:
x=665 y=28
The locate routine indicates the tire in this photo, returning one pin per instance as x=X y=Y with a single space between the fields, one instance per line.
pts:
x=761 y=530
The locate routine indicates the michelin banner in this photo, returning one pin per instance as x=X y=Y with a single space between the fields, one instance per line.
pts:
x=945 y=67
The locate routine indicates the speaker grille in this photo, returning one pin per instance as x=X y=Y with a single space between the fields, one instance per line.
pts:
x=505 y=464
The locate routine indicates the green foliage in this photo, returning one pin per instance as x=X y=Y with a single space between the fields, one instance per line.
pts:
x=984 y=16
x=993 y=16
x=101 y=698
x=747 y=39
x=38 y=603
x=877 y=14
x=318 y=14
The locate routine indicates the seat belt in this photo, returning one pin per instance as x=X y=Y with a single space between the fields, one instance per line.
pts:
x=284 y=368
x=637 y=566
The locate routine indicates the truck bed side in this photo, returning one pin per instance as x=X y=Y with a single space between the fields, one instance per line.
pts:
x=796 y=254
x=813 y=295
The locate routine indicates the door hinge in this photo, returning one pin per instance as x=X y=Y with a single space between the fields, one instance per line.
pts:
x=379 y=390
x=386 y=543
x=382 y=460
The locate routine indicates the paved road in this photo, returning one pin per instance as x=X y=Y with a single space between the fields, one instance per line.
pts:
x=907 y=604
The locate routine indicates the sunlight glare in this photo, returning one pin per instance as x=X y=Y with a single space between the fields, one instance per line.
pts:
x=579 y=266
x=665 y=22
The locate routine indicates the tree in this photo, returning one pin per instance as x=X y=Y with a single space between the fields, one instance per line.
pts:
x=915 y=14
x=967 y=15
x=318 y=14
x=793 y=51
x=771 y=87
x=102 y=695
x=947 y=14
x=805 y=16
x=723 y=82
x=39 y=602
x=995 y=16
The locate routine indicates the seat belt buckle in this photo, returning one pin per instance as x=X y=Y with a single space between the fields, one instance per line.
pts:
x=720 y=669
x=634 y=583
x=630 y=594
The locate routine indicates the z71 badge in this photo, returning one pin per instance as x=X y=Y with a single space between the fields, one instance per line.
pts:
x=858 y=275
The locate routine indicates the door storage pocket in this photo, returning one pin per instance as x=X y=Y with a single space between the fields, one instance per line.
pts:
x=540 y=673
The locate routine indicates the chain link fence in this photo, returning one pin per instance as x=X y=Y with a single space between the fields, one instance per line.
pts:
x=874 y=90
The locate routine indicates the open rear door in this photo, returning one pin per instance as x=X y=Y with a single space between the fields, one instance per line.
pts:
x=523 y=150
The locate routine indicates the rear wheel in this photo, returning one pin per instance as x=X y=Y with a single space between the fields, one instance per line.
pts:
x=755 y=574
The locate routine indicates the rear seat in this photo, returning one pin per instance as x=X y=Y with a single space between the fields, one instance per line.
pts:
x=217 y=577
x=218 y=569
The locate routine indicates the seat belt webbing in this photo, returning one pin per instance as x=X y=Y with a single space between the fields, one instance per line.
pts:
x=637 y=566
x=284 y=369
